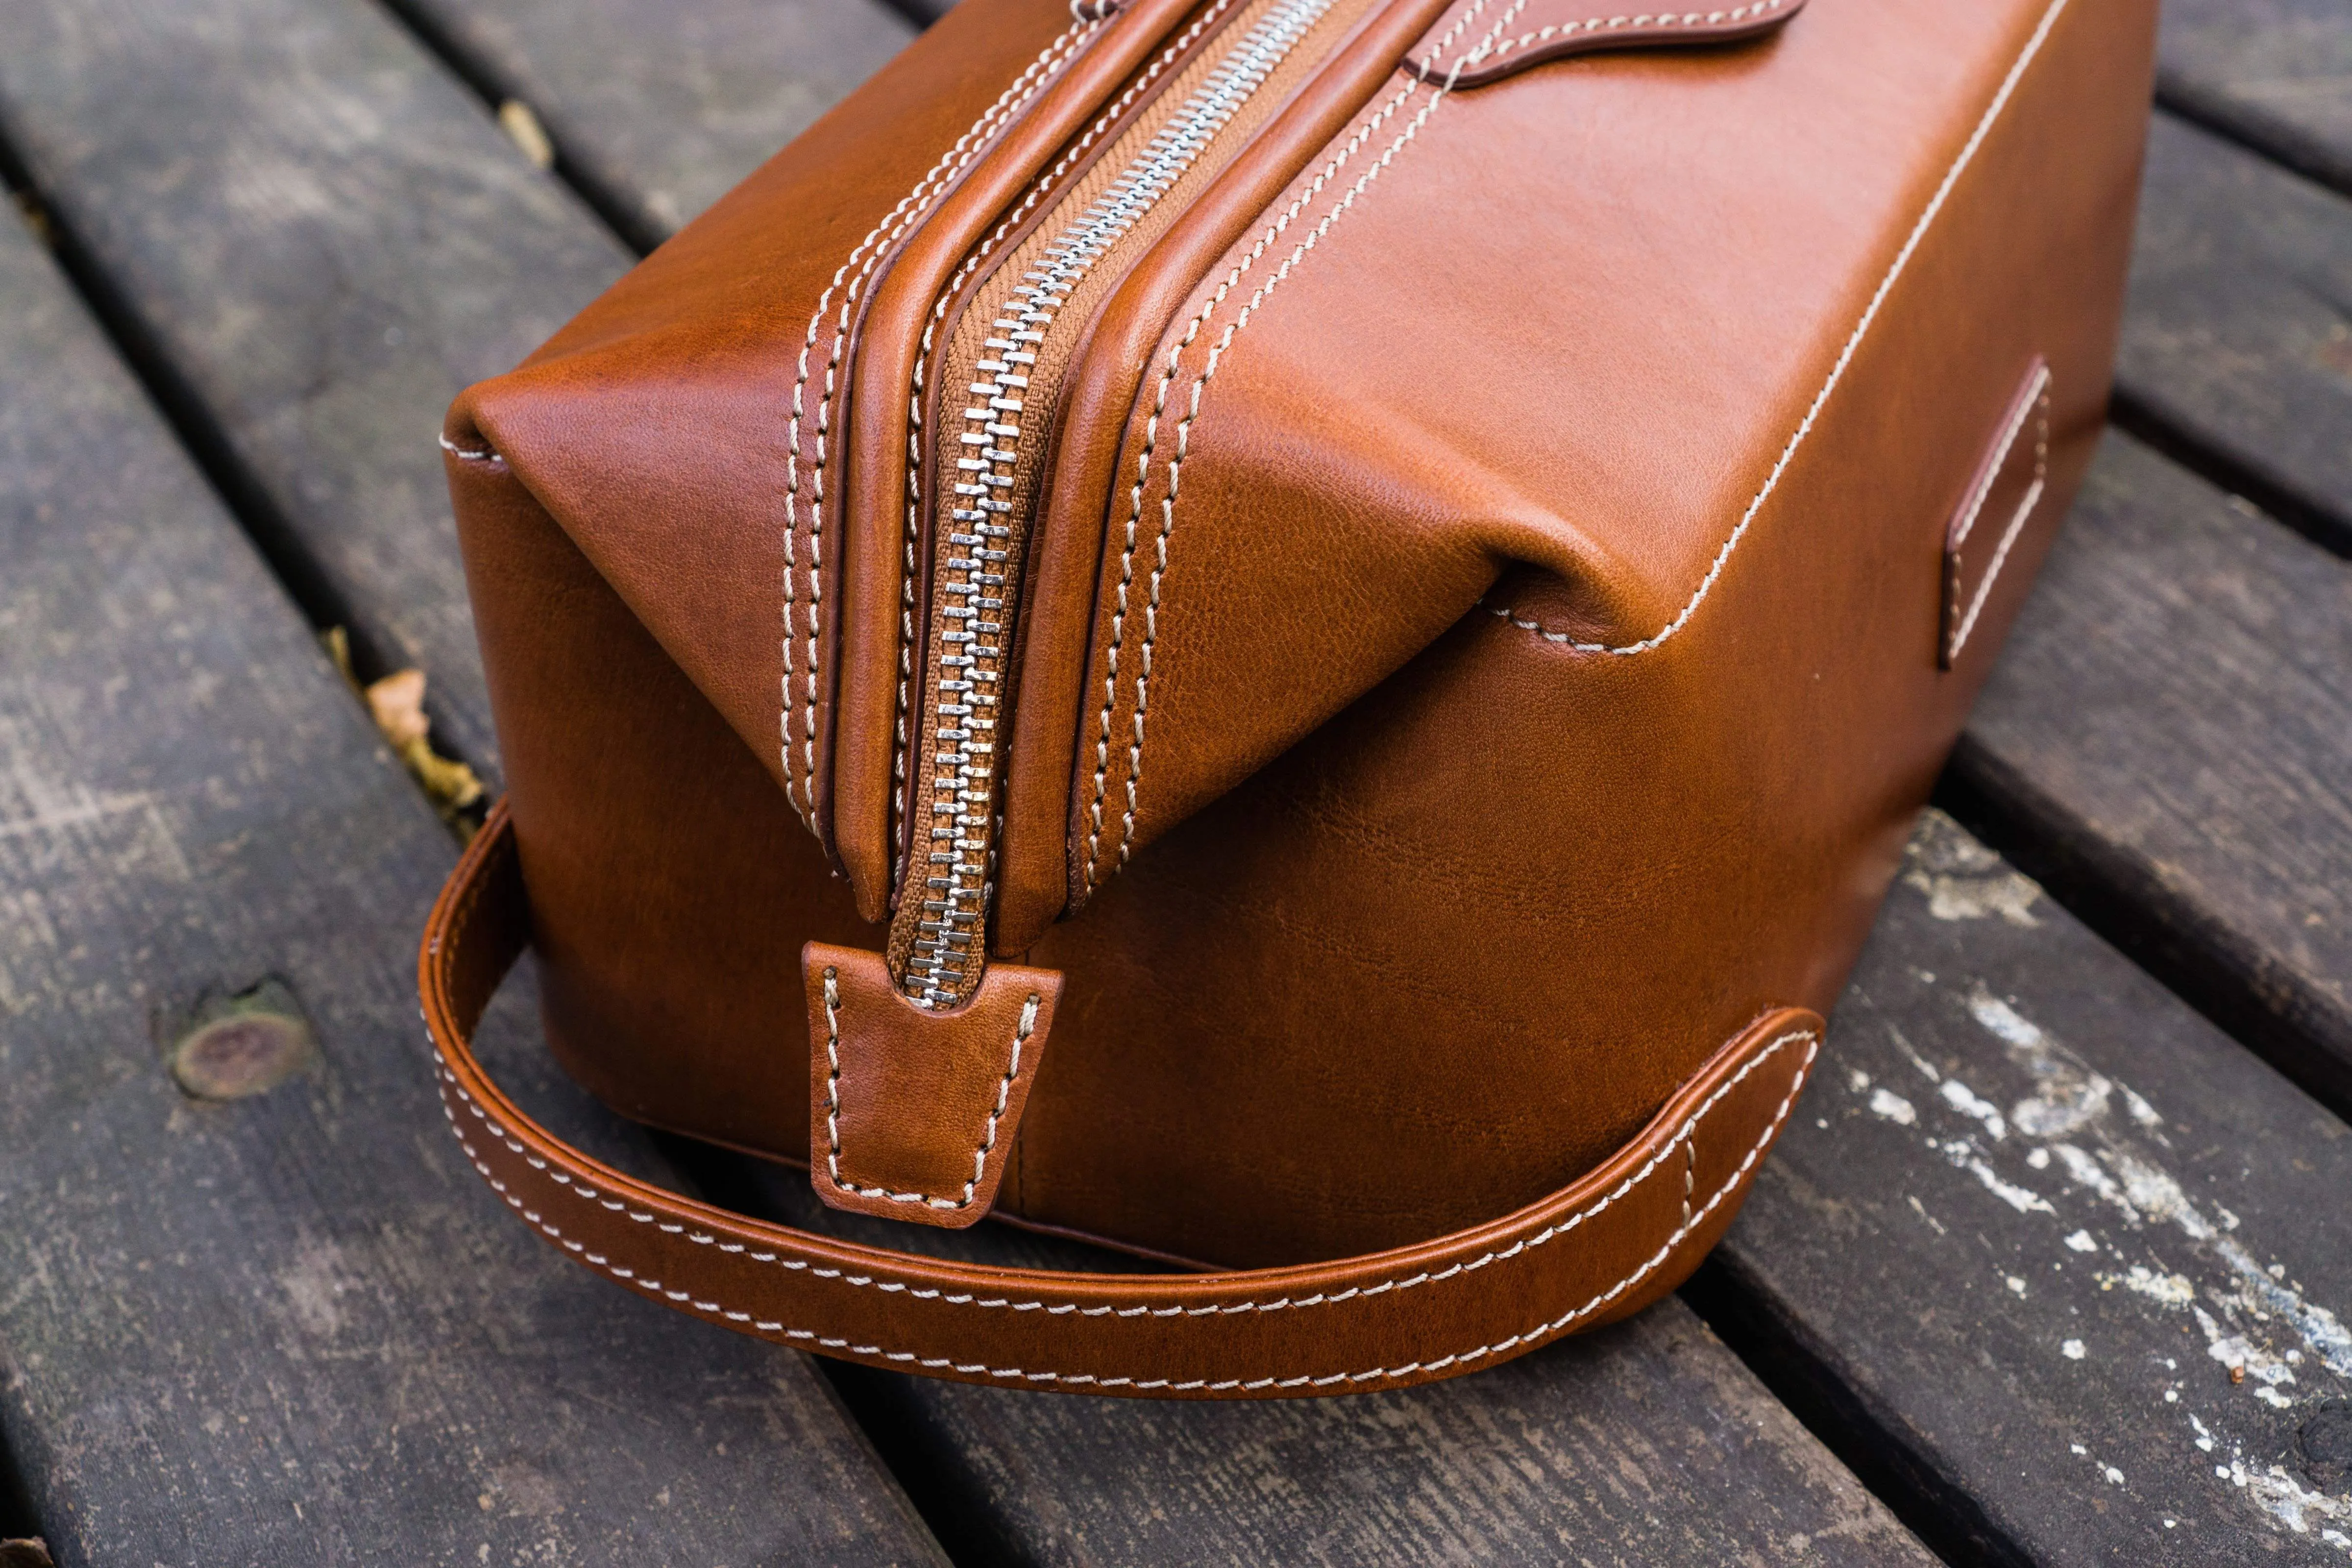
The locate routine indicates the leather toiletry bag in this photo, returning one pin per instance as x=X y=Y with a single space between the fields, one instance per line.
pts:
x=1295 y=635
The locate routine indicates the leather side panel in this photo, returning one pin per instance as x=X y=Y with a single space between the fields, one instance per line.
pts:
x=671 y=887
x=1651 y=265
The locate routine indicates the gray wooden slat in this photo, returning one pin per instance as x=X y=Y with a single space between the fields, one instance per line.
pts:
x=2032 y=1215
x=1645 y=1442
x=2276 y=74
x=293 y=1326
x=2156 y=353
x=318 y=236
x=655 y=110
x=2237 y=343
x=2168 y=735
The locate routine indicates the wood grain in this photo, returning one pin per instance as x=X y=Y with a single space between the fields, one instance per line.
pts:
x=2031 y=1217
x=2274 y=73
x=292 y=1327
x=1644 y=1443
x=655 y=110
x=2169 y=716
x=2237 y=342
x=316 y=238
x=2168 y=740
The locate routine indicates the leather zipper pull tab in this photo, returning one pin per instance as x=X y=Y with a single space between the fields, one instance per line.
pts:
x=912 y=1110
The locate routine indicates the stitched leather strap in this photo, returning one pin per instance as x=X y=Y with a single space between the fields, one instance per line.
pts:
x=1603 y=1247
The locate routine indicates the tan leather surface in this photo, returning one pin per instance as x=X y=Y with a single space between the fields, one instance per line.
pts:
x=1544 y=649
x=1602 y=1247
x=1194 y=108
x=873 y=343
x=1616 y=423
x=1033 y=881
x=912 y=1112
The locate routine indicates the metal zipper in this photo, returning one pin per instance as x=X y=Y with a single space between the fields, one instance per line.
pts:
x=956 y=871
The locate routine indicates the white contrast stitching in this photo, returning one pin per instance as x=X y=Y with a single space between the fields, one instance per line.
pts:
x=899 y=775
x=1021 y=1034
x=2036 y=399
x=2039 y=405
x=1690 y=1174
x=1837 y=371
x=1688 y=1131
x=910 y=206
x=1159 y=404
x=978 y=1369
x=469 y=454
x=977 y=570
x=1427 y=65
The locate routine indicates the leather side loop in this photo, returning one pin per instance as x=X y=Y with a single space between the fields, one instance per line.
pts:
x=1607 y=1243
x=1532 y=32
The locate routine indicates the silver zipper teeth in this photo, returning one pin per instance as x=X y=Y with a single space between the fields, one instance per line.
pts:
x=959 y=878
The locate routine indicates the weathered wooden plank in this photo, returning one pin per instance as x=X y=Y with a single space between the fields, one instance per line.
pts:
x=318 y=237
x=2237 y=345
x=2169 y=741
x=1644 y=1443
x=2063 y=1262
x=2274 y=73
x=292 y=1326
x=655 y=110
x=980 y=1480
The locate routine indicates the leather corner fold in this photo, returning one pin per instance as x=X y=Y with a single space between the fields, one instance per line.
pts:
x=1463 y=50
x=912 y=1112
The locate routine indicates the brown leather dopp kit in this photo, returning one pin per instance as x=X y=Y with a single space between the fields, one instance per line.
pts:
x=1295 y=635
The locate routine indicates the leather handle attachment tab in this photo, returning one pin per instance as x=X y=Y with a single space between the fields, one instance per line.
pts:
x=1476 y=42
x=1602 y=1247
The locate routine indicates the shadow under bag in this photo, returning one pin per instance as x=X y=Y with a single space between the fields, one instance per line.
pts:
x=1298 y=636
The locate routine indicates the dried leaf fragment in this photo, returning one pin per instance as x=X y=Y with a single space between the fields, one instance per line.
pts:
x=522 y=127
x=397 y=704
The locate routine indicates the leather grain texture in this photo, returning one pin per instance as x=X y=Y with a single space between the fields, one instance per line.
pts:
x=1535 y=32
x=912 y=1112
x=1485 y=630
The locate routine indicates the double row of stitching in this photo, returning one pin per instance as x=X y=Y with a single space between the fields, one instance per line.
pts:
x=776 y=1327
x=1878 y=297
x=983 y=505
x=1045 y=184
x=867 y=254
x=1684 y=1134
x=1020 y=1033
x=2036 y=405
x=1485 y=48
x=1427 y=65
x=1216 y=298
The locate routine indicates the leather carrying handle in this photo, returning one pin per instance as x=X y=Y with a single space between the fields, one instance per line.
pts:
x=1598 y=1249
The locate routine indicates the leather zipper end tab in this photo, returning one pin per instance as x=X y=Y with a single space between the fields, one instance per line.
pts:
x=912 y=1110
